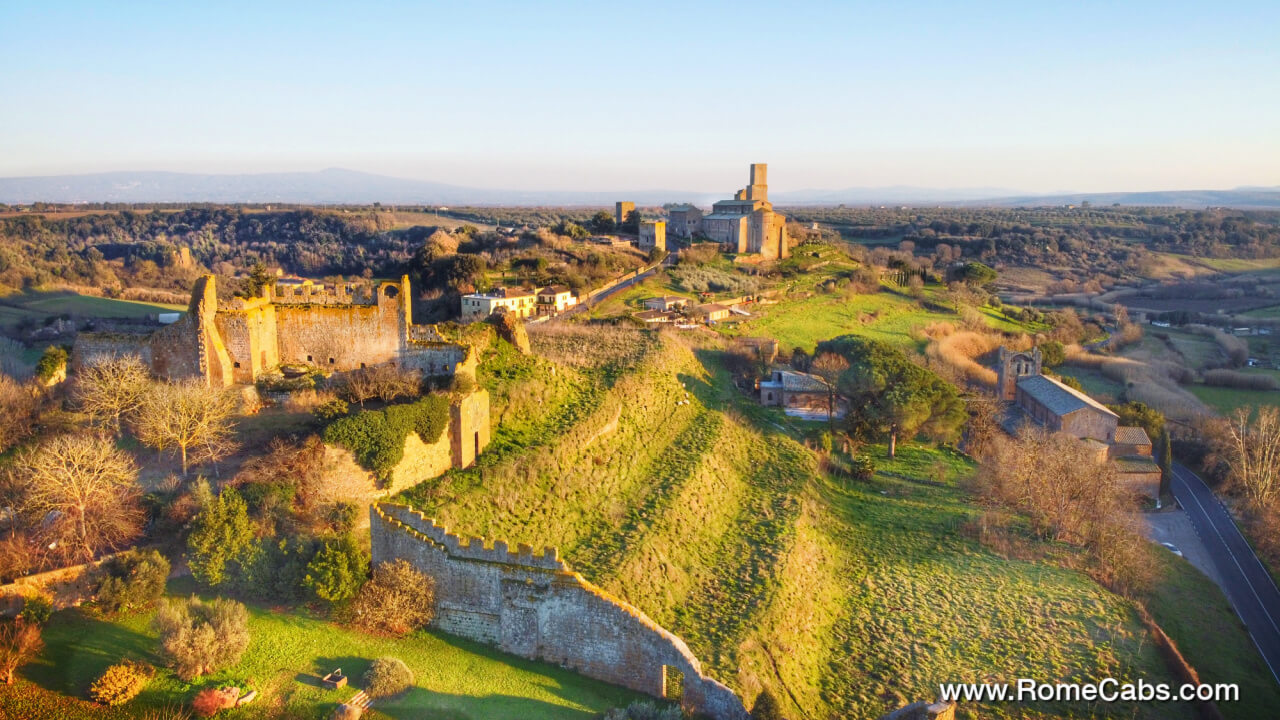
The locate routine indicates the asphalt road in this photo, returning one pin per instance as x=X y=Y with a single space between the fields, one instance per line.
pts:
x=1246 y=582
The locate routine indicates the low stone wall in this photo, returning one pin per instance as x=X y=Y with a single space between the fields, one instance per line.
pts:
x=534 y=606
x=66 y=587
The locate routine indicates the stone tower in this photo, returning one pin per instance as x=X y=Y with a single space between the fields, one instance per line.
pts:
x=621 y=210
x=1014 y=365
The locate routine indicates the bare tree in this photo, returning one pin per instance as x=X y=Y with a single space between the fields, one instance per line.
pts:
x=19 y=643
x=112 y=389
x=384 y=382
x=82 y=492
x=829 y=367
x=18 y=407
x=188 y=417
x=1251 y=452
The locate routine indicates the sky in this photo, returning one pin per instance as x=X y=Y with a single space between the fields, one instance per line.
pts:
x=1032 y=96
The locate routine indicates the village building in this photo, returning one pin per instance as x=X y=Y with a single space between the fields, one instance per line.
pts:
x=1048 y=402
x=650 y=317
x=555 y=299
x=666 y=302
x=517 y=301
x=653 y=235
x=712 y=312
x=801 y=395
x=684 y=220
x=747 y=224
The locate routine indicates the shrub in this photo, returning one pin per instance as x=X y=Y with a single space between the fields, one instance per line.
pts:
x=1239 y=380
x=332 y=410
x=221 y=538
x=862 y=467
x=51 y=362
x=36 y=609
x=132 y=580
x=209 y=701
x=338 y=570
x=198 y=637
x=276 y=568
x=387 y=676
x=398 y=600
x=376 y=437
x=119 y=683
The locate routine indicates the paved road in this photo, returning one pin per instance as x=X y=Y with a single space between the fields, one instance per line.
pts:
x=1248 y=586
x=584 y=307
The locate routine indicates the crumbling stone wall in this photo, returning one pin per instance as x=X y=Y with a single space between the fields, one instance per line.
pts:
x=536 y=607
x=469 y=428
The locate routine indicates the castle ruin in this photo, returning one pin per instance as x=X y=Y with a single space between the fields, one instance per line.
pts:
x=534 y=606
x=330 y=327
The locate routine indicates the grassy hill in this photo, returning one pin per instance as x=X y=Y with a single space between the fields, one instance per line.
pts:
x=671 y=489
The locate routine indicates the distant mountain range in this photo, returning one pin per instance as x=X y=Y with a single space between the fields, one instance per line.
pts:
x=339 y=186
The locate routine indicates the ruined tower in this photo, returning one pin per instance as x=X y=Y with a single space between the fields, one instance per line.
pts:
x=1012 y=366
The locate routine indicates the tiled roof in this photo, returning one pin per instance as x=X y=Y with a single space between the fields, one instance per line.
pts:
x=1058 y=398
x=802 y=382
x=1132 y=436
x=1136 y=464
x=723 y=216
x=712 y=307
x=556 y=289
x=683 y=207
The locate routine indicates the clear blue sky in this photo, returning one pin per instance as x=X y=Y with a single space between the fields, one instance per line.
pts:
x=1036 y=96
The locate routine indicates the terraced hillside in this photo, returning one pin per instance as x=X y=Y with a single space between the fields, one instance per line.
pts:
x=659 y=481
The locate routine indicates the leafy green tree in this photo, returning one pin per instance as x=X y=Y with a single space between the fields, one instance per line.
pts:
x=631 y=223
x=1134 y=413
x=260 y=278
x=1052 y=353
x=602 y=222
x=891 y=396
x=51 y=362
x=336 y=573
x=977 y=274
x=221 y=539
x=132 y=580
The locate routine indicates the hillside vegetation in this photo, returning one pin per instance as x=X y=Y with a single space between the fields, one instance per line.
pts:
x=847 y=600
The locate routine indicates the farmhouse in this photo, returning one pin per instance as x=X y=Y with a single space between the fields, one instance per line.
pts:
x=517 y=301
x=667 y=302
x=555 y=299
x=800 y=395
x=650 y=317
x=712 y=312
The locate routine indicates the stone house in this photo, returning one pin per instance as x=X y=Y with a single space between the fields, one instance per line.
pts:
x=800 y=395
x=684 y=220
x=712 y=312
x=517 y=301
x=555 y=299
x=653 y=235
x=667 y=302
x=1059 y=408
x=650 y=317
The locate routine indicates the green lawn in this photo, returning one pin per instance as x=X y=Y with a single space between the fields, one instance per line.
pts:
x=287 y=654
x=1226 y=400
x=41 y=305
x=1266 y=312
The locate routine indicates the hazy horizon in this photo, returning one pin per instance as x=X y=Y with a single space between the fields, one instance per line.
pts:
x=1037 y=100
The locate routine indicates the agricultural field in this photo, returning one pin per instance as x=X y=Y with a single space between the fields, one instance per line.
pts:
x=39 y=306
x=288 y=653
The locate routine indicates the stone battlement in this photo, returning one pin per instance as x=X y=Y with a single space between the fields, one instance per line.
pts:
x=534 y=606
x=470 y=548
x=309 y=293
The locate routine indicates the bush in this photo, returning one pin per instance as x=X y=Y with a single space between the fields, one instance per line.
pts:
x=275 y=570
x=1239 y=380
x=198 y=637
x=51 y=362
x=332 y=410
x=36 y=609
x=338 y=570
x=132 y=580
x=387 y=676
x=398 y=600
x=221 y=538
x=120 y=683
x=376 y=437
x=862 y=467
x=209 y=701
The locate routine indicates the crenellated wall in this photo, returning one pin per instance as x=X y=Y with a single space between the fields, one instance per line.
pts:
x=534 y=606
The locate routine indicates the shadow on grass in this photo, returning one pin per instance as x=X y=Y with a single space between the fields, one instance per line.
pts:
x=80 y=646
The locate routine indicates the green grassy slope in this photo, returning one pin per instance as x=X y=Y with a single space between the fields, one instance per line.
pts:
x=674 y=491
